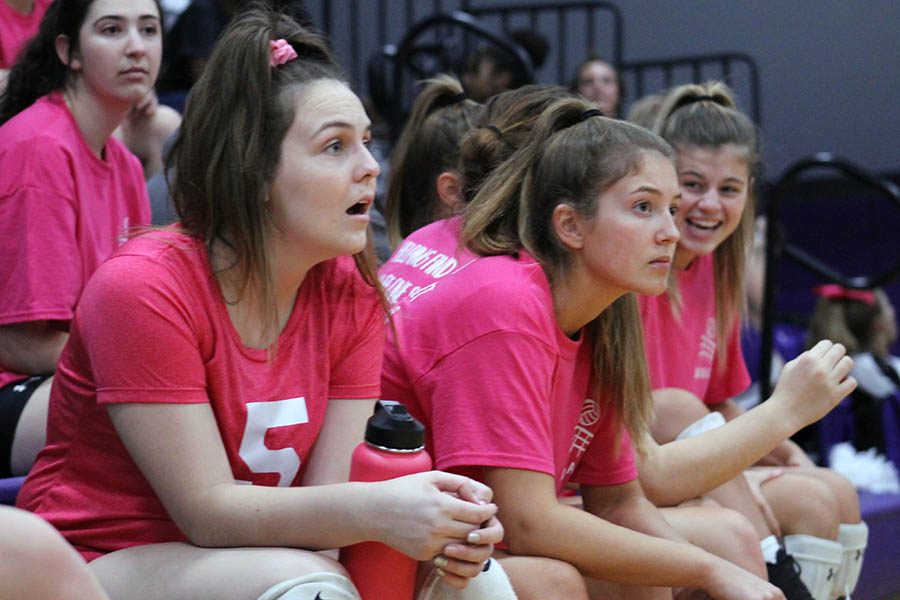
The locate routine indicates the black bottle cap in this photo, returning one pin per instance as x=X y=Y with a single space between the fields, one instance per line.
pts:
x=391 y=427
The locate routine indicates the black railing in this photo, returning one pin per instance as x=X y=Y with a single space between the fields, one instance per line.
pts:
x=778 y=247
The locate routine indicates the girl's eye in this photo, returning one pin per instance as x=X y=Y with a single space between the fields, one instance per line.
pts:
x=109 y=29
x=730 y=190
x=334 y=147
x=690 y=185
x=673 y=209
x=151 y=30
x=643 y=206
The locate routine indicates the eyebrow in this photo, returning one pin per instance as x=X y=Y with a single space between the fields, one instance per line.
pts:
x=696 y=174
x=121 y=18
x=340 y=125
x=647 y=188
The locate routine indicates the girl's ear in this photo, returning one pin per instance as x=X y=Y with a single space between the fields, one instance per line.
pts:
x=63 y=46
x=449 y=191
x=568 y=226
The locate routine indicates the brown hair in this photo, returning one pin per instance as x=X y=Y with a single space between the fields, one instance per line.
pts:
x=508 y=119
x=229 y=144
x=428 y=146
x=572 y=157
x=706 y=116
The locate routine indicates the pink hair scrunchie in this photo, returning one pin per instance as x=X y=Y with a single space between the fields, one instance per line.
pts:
x=280 y=52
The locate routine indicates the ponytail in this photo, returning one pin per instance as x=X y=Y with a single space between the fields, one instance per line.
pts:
x=428 y=146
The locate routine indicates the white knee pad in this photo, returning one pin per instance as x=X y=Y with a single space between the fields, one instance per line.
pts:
x=707 y=423
x=819 y=560
x=316 y=586
x=492 y=584
x=853 y=538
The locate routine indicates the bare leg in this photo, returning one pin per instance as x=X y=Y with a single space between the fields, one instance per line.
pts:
x=722 y=532
x=38 y=563
x=803 y=505
x=31 y=432
x=538 y=578
x=605 y=590
x=177 y=571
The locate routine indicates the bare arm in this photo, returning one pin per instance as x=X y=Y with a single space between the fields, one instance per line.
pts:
x=785 y=454
x=178 y=448
x=810 y=386
x=344 y=428
x=32 y=348
x=538 y=525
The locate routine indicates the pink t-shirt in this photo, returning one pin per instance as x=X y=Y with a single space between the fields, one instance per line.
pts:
x=481 y=361
x=16 y=29
x=153 y=327
x=681 y=352
x=63 y=211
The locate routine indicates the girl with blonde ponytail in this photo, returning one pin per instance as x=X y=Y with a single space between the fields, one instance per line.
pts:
x=517 y=342
x=696 y=367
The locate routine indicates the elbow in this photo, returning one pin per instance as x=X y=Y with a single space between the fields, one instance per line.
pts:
x=519 y=536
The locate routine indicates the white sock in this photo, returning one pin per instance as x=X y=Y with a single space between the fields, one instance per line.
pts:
x=492 y=584
x=770 y=548
x=702 y=425
x=853 y=538
x=316 y=586
x=819 y=560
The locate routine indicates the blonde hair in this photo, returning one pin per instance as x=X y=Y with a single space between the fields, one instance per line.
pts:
x=706 y=116
x=847 y=321
x=572 y=156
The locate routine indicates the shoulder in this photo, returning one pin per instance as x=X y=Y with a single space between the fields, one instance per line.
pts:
x=160 y=259
x=338 y=282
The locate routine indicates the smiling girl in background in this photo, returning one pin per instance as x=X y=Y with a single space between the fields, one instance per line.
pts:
x=696 y=366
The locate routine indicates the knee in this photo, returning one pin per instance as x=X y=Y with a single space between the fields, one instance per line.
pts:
x=536 y=578
x=816 y=510
x=845 y=495
x=285 y=564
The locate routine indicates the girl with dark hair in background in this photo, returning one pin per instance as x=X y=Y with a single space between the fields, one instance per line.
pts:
x=69 y=192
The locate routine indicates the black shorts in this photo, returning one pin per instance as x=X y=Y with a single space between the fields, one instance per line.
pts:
x=13 y=398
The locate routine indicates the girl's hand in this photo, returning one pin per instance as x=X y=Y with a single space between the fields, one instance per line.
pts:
x=730 y=582
x=460 y=562
x=814 y=382
x=421 y=514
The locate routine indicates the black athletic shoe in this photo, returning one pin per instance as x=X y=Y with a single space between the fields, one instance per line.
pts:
x=785 y=575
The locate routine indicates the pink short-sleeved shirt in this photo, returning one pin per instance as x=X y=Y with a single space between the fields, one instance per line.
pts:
x=153 y=328
x=682 y=349
x=63 y=211
x=480 y=359
x=16 y=29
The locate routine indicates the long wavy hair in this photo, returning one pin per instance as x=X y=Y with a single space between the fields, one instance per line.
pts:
x=572 y=157
x=39 y=71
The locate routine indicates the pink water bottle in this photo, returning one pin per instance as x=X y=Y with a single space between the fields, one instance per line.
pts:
x=394 y=446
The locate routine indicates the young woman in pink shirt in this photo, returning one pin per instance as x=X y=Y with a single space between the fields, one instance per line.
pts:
x=220 y=372
x=69 y=192
x=691 y=335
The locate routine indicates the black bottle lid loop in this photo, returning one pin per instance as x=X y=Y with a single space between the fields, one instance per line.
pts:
x=392 y=428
